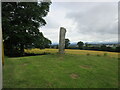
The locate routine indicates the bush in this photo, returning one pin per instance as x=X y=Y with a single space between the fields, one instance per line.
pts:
x=88 y=54
x=105 y=54
x=98 y=55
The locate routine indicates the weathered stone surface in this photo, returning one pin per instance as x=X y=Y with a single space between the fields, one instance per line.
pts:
x=62 y=40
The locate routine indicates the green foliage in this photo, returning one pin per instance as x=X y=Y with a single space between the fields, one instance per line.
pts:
x=42 y=43
x=118 y=48
x=98 y=55
x=105 y=54
x=20 y=23
x=67 y=43
x=88 y=54
x=80 y=44
x=103 y=47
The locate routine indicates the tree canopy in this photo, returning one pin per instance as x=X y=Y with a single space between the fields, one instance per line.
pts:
x=80 y=44
x=20 y=23
x=67 y=43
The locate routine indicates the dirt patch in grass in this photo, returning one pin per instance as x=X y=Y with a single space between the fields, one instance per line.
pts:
x=61 y=58
x=25 y=64
x=74 y=76
x=85 y=66
x=49 y=85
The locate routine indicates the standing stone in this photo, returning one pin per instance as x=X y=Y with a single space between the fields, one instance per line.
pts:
x=62 y=40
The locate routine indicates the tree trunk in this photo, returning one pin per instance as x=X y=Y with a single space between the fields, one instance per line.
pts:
x=21 y=49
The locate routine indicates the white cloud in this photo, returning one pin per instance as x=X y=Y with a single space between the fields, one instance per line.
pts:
x=88 y=22
x=85 y=0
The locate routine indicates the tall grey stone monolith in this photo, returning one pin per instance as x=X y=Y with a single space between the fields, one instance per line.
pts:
x=62 y=40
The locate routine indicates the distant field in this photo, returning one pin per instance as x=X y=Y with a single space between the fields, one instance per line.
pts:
x=76 y=69
x=73 y=51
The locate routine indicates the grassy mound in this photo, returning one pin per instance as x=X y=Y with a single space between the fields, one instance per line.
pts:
x=55 y=71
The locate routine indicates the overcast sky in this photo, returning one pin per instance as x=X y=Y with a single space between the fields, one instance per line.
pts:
x=84 y=21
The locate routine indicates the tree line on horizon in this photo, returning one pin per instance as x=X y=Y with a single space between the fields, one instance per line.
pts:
x=85 y=46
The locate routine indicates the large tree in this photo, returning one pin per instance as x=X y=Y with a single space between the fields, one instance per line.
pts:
x=20 y=23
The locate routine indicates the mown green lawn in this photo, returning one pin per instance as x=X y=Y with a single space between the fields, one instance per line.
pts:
x=54 y=71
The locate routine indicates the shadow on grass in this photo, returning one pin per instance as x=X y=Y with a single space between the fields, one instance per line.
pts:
x=31 y=54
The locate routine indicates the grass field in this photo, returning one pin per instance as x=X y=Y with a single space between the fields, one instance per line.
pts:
x=76 y=69
x=75 y=52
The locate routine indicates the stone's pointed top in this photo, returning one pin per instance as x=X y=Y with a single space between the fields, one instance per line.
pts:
x=63 y=28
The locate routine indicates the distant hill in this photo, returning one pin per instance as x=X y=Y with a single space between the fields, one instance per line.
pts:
x=73 y=43
x=103 y=42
